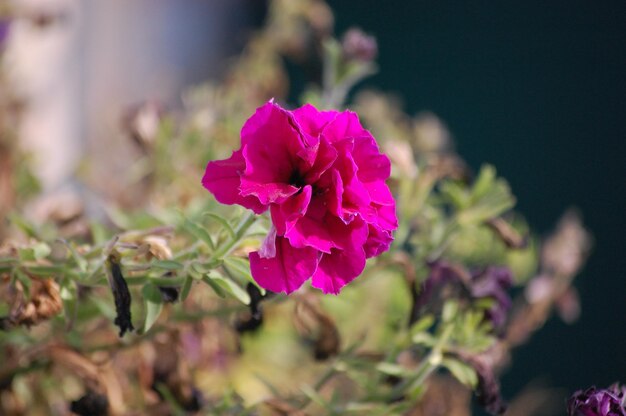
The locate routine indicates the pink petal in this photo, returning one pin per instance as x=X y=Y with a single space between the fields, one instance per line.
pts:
x=372 y=165
x=222 y=179
x=268 y=192
x=268 y=247
x=325 y=157
x=386 y=218
x=378 y=241
x=346 y=236
x=287 y=271
x=311 y=120
x=379 y=192
x=270 y=143
x=285 y=215
x=337 y=269
x=311 y=230
x=332 y=186
x=345 y=125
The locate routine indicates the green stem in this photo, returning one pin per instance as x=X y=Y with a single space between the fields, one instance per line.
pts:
x=430 y=363
x=240 y=231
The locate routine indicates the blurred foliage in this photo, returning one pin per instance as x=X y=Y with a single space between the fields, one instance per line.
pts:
x=168 y=260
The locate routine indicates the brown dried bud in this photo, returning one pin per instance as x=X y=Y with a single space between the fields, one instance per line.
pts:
x=143 y=122
x=45 y=302
x=507 y=233
x=566 y=250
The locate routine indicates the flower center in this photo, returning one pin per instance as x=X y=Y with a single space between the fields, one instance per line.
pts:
x=296 y=179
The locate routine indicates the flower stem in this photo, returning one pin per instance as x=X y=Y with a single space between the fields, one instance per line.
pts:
x=240 y=231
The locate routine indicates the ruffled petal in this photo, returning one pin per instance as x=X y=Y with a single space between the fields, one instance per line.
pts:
x=372 y=165
x=311 y=120
x=287 y=271
x=345 y=125
x=285 y=215
x=378 y=241
x=270 y=143
x=312 y=230
x=223 y=178
x=337 y=269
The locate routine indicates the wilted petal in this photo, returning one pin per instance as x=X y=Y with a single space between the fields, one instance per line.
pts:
x=287 y=271
x=222 y=179
x=598 y=402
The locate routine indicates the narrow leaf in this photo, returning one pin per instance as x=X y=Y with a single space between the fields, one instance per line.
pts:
x=154 y=305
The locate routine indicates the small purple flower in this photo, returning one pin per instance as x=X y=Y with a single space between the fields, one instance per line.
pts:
x=598 y=402
x=494 y=282
x=359 y=46
x=448 y=280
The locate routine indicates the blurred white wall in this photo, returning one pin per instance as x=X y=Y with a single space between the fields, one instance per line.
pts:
x=79 y=73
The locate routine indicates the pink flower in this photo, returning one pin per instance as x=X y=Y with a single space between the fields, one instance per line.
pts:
x=322 y=176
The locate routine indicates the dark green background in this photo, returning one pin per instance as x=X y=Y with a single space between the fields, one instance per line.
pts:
x=539 y=90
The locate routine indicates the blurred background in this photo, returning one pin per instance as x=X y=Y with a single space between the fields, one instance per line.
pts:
x=538 y=90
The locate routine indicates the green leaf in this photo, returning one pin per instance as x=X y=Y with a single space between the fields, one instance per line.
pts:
x=23 y=225
x=167 y=265
x=424 y=338
x=199 y=232
x=41 y=250
x=80 y=261
x=154 y=305
x=423 y=324
x=241 y=267
x=186 y=289
x=391 y=369
x=228 y=285
x=490 y=197
x=461 y=371
x=44 y=271
x=223 y=222
x=24 y=280
x=214 y=285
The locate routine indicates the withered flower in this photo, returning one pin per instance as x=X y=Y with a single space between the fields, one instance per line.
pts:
x=488 y=390
x=447 y=281
x=45 y=302
x=120 y=291
x=317 y=326
x=91 y=404
x=254 y=318
x=156 y=247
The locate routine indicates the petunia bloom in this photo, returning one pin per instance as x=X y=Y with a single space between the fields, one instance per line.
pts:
x=322 y=177
x=598 y=402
